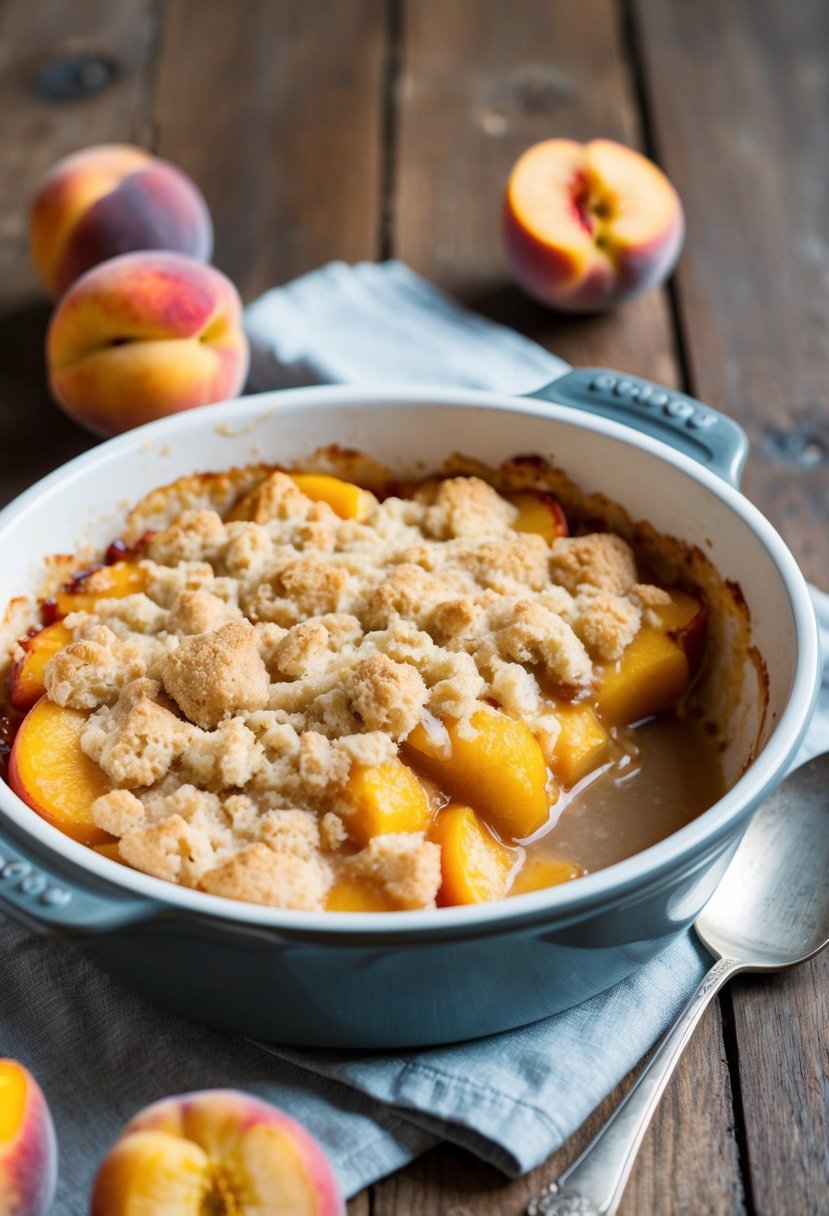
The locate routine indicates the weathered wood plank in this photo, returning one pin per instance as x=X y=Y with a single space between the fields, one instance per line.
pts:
x=781 y=1025
x=76 y=75
x=276 y=111
x=739 y=97
x=481 y=82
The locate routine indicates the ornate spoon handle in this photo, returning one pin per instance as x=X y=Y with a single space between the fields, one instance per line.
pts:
x=593 y=1185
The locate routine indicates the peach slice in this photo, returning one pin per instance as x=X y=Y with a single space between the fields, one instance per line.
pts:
x=81 y=593
x=48 y=770
x=142 y=336
x=540 y=512
x=581 y=744
x=538 y=873
x=357 y=895
x=475 y=867
x=26 y=677
x=655 y=670
x=498 y=768
x=28 y=1148
x=385 y=798
x=219 y=1152
x=588 y=225
x=343 y=497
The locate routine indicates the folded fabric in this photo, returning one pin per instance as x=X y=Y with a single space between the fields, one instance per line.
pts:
x=100 y=1052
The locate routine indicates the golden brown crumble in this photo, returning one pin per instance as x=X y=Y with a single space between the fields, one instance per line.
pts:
x=276 y=647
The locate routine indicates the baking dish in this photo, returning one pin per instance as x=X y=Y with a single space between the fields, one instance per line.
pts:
x=401 y=979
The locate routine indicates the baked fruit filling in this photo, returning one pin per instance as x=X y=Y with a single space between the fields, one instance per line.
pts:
x=319 y=697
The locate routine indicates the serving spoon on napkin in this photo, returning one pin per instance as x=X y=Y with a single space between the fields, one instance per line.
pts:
x=770 y=911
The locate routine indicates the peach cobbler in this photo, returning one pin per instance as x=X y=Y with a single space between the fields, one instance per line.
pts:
x=286 y=688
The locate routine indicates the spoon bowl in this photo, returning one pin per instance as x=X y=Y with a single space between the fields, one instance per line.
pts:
x=771 y=909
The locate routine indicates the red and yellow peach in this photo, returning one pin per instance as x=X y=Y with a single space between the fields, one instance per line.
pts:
x=142 y=336
x=28 y=1148
x=589 y=225
x=109 y=200
x=216 y=1151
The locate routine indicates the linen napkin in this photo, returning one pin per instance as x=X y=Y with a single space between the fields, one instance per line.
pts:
x=101 y=1052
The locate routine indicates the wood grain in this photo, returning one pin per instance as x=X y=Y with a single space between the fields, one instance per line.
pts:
x=276 y=110
x=479 y=83
x=781 y=1026
x=739 y=97
x=103 y=53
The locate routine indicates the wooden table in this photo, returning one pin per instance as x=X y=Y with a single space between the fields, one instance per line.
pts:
x=369 y=128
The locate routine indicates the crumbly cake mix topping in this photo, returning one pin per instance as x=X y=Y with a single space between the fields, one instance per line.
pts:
x=258 y=690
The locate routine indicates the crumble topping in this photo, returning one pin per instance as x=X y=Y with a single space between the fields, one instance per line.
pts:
x=276 y=646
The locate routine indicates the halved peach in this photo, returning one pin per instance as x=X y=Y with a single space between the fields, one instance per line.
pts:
x=497 y=767
x=385 y=798
x=50 y=772
x=581 y=744
x=475 y=867
x=540 y=512
x=538 y=873
x=28 y=1148
x=81 y=593
x=588 y=225
x=655 y=670
x=215 y=1153
x=26 y=677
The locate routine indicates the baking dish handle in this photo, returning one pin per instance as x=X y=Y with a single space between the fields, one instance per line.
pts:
x=686 y=424
x=44 y=897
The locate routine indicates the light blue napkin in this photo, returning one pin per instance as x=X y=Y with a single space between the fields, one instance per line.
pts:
x=100 y=1052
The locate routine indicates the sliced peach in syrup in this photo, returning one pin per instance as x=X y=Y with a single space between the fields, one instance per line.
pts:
x=357 y=895
x=539 y=512
x=497 y=767
x=48 y=770
x=581 y=744
x=26 y=677
x=538 y=873
x=82 y=592
x=475 y=867
x=343 y=497
x=655 y=670
x=385 y=798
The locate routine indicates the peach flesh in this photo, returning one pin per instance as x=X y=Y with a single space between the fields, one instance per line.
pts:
x=589 y=225
x=28 y=1148
x=109 y=200
x=216 y=1153
x=143 y=336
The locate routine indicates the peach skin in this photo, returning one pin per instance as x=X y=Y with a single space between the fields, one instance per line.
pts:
x=28 y=1148
x=142 y=336
x=589 y=225
x=109 y=200
x=218 y=1151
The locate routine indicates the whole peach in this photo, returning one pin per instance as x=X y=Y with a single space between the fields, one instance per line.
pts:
x=218 y=1151
x=142 y=336
x=28 y=1148
x=108 y=200
x=589 y=225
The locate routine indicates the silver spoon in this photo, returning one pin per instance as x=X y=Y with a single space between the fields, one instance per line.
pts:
x=770 y=911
